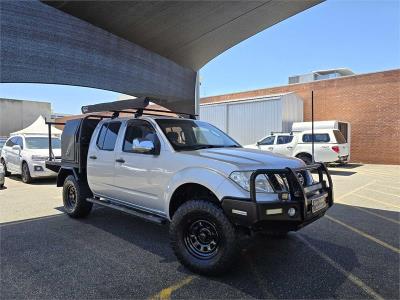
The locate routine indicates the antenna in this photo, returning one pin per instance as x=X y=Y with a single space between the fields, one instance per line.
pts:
x=312 y=125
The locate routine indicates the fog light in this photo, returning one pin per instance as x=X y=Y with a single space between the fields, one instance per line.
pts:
x=38 y=168
x=285 y=196
x=291 y=211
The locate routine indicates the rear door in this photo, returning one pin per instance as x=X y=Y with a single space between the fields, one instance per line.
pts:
x=101 y=158
x=284 y=144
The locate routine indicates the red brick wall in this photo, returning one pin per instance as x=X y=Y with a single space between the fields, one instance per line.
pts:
x=370 y=102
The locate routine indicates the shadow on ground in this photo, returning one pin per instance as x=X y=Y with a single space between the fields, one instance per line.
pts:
x=114 y=255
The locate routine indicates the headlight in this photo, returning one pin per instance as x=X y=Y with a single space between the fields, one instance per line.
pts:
x=242 y=178
x=38 y=157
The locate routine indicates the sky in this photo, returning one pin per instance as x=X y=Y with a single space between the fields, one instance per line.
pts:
x=361 y=35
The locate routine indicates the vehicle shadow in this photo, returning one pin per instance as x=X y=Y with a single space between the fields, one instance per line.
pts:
x=112 y=254
x=36 y=181
x=341 y=172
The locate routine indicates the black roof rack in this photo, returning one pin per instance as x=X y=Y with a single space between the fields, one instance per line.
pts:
x=126 y=106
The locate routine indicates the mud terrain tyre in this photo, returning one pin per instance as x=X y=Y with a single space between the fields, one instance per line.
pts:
x=75 y=194
x=202 y=237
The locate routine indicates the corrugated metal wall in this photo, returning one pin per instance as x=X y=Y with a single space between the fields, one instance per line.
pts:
x=250 y=120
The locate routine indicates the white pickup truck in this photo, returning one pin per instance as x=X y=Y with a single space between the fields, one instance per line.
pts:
x=190 y=175
x=329 y=145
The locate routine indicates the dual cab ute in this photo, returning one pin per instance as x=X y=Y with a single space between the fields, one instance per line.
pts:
x=191 y=175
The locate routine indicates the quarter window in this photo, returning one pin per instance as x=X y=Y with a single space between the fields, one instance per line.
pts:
x=108 y=136
x=318 y=138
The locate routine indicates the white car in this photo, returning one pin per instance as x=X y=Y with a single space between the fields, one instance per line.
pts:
x=329 y=145
x=2 y=176
x=26 y=155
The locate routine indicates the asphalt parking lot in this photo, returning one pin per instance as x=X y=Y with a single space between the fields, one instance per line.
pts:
x=353 y=252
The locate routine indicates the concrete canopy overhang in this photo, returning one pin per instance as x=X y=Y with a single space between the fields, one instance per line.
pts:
x=139 y=48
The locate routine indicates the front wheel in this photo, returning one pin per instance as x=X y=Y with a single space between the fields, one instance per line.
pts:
x=6 y=173
x=202 y=237
x=26 y=174
x=75 y=194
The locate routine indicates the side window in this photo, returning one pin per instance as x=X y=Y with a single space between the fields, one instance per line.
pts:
x=19 y=142
x=108 y=136
x=284 y=139
x=10 y=142
x=318 y=138
x=139 y=131
x=267 y=141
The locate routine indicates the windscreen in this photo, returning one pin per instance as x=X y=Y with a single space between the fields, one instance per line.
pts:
x=193 y=135
x=42 y=143
x=339 y=137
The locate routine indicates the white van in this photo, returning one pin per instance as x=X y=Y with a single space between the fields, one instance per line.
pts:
x=329 y=145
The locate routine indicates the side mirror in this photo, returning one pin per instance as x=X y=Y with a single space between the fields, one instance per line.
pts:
x=143 y=146
x=16 y=148
x=258 y=143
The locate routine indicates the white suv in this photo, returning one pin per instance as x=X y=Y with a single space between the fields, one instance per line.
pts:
x=26 y=155
x=329 y=145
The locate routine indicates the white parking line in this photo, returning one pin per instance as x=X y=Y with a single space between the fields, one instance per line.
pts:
x=378 y=201
x=377 y=215
x=355 y=190
x=389 y=194
x=366 y=235
x=354 y=279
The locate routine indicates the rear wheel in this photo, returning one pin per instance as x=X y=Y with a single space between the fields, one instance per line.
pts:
x=75 y=194
x=203 y=238
x=25 y=173
x=6 y=173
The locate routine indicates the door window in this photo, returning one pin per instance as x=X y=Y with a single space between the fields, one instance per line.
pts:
x=108 y=136
x=284 y=139
x=139 y=131
x=267 y=141
x=18 y=141
x=11 y=142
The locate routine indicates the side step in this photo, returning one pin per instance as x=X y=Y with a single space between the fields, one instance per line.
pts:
x=129 y=210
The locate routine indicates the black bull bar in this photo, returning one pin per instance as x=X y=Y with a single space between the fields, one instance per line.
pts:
x=298 y=192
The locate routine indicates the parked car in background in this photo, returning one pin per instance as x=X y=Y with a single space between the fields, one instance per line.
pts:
x=2 y=142
x=329 y=145
x=26 y=155
x=2 y=176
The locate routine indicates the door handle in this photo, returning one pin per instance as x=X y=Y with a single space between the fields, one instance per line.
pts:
x=93 y=157
x=270 y=148
x=289 y=147
x=120 y=160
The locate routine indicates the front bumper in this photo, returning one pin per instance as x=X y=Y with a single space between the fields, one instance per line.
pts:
x=38 y=169
x=308 y=203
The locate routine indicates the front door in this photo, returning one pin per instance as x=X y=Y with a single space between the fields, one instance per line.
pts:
x=139 y=176
x=267 y=144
